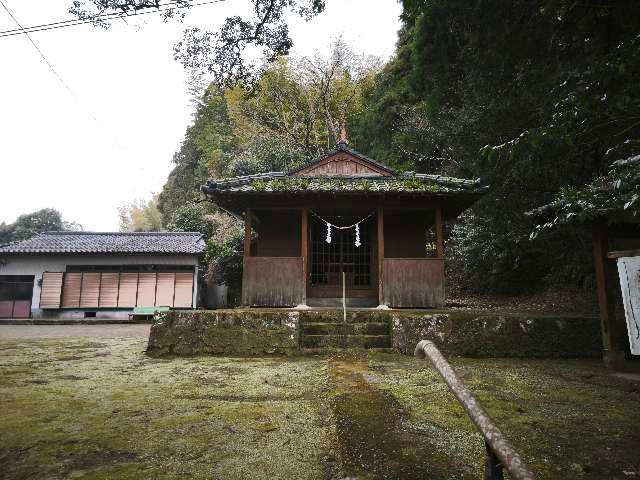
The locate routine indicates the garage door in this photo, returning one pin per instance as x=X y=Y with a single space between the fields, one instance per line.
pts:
x=16 y=292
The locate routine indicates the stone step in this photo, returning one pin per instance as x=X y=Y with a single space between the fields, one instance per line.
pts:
x=335 y=350
x=333 y=328
x=336 y=316
x=345 y=341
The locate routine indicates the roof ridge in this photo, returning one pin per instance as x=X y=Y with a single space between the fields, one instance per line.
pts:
x=85 y=232
x=343 y=148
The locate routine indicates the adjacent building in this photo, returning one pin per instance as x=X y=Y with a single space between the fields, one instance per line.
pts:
x=98 y=274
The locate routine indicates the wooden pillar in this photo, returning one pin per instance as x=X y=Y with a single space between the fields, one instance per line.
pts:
x=304 y=248
x=380 y=253
x=246 y=255
x=613 y=334
x=247 y=233
x=439 y=233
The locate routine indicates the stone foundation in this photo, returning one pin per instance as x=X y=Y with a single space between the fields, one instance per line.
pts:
x=250 y=332
x=492 y=335
x=224 y=332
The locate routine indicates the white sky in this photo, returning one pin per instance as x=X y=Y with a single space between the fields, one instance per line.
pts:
x=54 y=154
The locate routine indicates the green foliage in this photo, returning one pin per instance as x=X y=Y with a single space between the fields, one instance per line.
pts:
x=225 y=265
x=616 y=194
x=140 y=216
x=30 y=224
x=291 y=114
x=533 y=97
x=195 y=217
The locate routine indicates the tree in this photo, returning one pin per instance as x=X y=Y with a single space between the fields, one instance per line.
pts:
x=291 y=114
x=140 y=216
x=529 y=96
x=217 y=53
x=30 y=224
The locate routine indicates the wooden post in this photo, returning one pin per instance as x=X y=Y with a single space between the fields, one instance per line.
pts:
x=304 y=250
x=380 y=253
x=439 y=233
x=246 y=255
x=613 y=335
x=247 y=233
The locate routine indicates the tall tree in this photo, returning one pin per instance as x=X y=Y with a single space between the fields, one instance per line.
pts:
x=529 y=96
x=30 y=224
x=217 y=53
x=292 y=113
x=140 y=216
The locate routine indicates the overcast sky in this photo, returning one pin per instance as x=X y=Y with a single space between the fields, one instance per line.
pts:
x=112 y=140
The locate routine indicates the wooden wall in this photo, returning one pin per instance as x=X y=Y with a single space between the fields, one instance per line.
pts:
x=342 y=165
x=272 y=281
x=405 y=234
x=413 y=282
x=278 y=234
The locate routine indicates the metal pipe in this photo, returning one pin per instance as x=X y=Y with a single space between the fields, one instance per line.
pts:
x=493 y=437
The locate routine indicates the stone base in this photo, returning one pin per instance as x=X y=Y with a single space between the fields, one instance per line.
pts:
x=224 y=332
x=250 y=332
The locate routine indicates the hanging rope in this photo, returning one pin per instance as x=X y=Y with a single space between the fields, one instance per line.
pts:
x=338 y=226
x=331 y=225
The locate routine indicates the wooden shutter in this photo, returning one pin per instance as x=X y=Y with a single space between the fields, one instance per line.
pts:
x=51 y=290
x=71 y=290
x=164 y=290
x=146 y=290
x=108 y=290
x=184 y=290
x=90 y=290
x=128 y=290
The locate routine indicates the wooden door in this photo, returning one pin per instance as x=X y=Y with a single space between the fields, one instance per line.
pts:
x=328 y=261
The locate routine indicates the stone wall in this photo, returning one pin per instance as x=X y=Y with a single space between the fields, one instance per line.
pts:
x=249 y=332
x=493 y=335
x=224 y=332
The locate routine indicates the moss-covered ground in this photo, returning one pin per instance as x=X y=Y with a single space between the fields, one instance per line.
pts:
x=102 y=409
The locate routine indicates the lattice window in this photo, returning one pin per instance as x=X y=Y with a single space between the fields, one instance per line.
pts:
x=329 y=260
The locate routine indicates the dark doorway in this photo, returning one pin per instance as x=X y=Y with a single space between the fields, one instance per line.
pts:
x=328 y=261
x=16 y=292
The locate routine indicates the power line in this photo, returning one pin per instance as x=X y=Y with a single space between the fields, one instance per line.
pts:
x=104 y=16
x=35 y=45
x=52 y=68
x=88 y=19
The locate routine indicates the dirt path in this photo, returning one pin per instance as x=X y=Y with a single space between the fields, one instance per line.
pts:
x=373 y=435
x=16 y=332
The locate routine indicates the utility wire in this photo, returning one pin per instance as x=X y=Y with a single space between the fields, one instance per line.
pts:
x=53 y=70
x=104 y=16
x=98 y=16
x=35 y=45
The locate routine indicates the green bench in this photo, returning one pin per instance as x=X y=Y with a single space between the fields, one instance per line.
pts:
x=140 y=312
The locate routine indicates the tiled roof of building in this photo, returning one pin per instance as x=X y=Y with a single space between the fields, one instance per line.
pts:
x=406 y=182
x=108 y=242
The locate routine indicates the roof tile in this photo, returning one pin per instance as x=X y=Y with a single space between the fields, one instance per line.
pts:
x=109 y=242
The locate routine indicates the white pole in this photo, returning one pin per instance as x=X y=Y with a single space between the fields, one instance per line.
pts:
x=344 y=298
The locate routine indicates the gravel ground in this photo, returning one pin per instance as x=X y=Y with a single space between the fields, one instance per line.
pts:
x=15 y=332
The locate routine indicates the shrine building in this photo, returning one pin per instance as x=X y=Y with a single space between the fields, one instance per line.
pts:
x=347 y=225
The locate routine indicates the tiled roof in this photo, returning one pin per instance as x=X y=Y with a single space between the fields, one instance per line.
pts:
x=407 y=182
x=109 y=242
